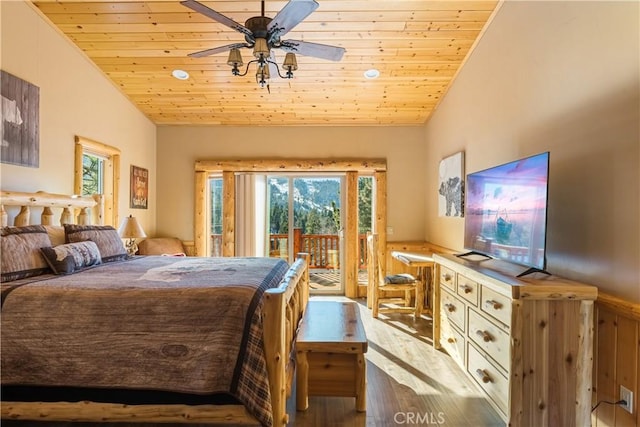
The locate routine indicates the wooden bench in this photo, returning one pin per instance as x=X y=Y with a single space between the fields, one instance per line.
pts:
x=330 y=353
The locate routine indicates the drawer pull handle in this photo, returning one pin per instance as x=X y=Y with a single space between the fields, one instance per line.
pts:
x=450 y=308
x=482 y=374
x=446 y=277
x=486 y=336
x=467 y=289
x=451 y=340
x=495 y=304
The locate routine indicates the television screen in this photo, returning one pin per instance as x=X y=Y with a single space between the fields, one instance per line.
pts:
x=506 y=211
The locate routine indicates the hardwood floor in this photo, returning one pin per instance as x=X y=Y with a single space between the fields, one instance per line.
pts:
x=408 y=383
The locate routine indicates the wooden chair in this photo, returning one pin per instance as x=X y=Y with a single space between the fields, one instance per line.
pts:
x=161 y=246
x=381 y=303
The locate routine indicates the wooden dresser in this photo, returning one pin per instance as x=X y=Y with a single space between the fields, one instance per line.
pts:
x=526 y=342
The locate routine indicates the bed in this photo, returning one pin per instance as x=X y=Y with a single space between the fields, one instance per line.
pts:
x=146 y=338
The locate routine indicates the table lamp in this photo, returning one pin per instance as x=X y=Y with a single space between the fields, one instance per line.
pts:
x=130 y=229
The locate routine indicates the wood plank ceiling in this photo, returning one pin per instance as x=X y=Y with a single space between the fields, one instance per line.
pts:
x=417 y=45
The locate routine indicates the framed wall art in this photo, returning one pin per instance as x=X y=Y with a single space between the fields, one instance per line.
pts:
x=451 y=186
x=20 y=121
x=139 y=188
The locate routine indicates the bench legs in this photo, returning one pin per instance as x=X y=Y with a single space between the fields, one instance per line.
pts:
x=302 y=381
x=361 y=383
x=354 y=364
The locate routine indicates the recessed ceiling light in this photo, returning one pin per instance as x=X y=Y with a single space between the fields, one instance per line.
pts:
x=180 y=74
x=371 y=73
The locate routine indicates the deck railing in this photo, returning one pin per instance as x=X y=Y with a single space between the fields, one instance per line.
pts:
x=323 y=249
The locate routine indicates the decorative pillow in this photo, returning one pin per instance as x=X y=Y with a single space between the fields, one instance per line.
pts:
x=105 y=237
x=399 y=279
x=72 y=257
x=20 y=252
x=56 y=234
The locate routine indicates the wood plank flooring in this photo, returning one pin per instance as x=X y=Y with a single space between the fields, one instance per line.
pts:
x=408 y=383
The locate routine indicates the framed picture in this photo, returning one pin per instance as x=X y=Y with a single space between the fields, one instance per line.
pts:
x=451 y=188
x=139 y=188
x=20 y=121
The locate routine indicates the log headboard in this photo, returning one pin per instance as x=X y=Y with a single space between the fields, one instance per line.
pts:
x=72 y=209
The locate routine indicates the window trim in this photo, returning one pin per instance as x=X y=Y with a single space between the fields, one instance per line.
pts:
x=111 y=180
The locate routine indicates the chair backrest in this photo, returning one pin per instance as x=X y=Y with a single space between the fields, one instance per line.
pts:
x=161 y=246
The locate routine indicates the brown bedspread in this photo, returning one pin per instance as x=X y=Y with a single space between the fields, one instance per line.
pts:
x=189 y=325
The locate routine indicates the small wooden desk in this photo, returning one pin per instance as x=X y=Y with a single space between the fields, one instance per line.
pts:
x=424 y=265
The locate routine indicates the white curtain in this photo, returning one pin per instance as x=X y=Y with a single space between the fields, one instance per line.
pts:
x=251 y=214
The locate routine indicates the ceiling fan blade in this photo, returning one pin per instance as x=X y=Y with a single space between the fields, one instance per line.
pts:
x=218 y=49
x=317 y=50
x=273 y=68
x=289 y=16
x=206 y=11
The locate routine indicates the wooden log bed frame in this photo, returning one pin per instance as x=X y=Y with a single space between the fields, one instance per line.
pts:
x=283 y=309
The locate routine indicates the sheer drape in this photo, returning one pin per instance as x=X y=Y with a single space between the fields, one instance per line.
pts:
x=251 y=194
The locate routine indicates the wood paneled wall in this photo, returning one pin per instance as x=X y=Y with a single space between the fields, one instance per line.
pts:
x=616 y=360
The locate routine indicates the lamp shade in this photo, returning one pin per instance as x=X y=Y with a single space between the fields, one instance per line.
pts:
x=130 y=229
x=263 y=75
x=235 y=58
x=290 y=62
x=261 y=49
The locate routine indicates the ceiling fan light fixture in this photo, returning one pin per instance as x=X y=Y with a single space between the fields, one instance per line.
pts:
x=235 y=61
x=261 y=48
x=263 y=75
x=180 y=74
x=235 y=58
x=371 y=74
x=262 y=33
x=290 y=63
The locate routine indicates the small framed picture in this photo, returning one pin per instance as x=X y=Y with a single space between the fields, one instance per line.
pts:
x=139 y=188
x=451 y=188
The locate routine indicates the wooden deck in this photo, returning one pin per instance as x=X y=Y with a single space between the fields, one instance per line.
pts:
x=408 y=383
x=329 y=280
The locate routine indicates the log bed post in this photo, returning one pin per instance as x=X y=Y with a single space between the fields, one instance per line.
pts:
x=275 y=332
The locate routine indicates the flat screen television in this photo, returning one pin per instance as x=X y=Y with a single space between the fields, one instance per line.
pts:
x=506 y=212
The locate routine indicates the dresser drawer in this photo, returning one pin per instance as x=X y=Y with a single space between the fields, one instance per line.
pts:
x=496 y=305
x=468 y=289
x=490 y=338
x=489 y=378
x=448 y=278
x=453 y=341
x=453 y=309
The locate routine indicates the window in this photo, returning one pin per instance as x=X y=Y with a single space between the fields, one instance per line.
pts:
x=97 y=171
x=92 y=174
x=215 y=185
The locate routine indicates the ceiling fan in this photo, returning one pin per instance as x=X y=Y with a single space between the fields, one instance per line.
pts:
x=263 y=34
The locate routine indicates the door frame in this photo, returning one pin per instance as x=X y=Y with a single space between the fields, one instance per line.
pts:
x=352 y=167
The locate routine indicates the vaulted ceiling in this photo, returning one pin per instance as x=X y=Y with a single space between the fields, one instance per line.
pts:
x=417 y=46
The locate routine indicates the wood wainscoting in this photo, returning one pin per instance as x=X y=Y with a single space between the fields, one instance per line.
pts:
x=616 y=360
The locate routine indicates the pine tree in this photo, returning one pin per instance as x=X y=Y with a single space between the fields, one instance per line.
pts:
x=365 y=190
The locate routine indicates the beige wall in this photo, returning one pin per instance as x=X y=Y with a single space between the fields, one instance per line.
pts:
x=75 y=99
x=403 y=147
x=562 y=77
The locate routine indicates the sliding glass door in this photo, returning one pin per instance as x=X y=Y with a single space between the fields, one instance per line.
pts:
x=304 y=215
